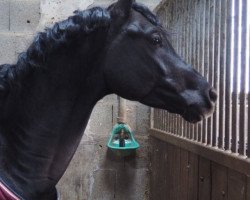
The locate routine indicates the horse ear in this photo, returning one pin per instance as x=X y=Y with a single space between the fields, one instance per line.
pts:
x=122 y=8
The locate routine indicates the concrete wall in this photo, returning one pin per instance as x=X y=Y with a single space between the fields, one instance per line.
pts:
x=94 y=173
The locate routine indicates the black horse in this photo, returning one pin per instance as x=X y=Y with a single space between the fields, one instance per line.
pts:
x=47 y=97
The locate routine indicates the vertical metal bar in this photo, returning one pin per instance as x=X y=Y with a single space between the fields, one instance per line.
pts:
x=166 y=121
x=228 y=76
x=168 y=129
x=222 y=76
x=211 y=62
x=177 y=27
x=159 y=119
x=181 y=38
x=248 y=66
x=184 y=49
x=235 y=100
x=152 y=117
x=206 y=60
x=243 y=127
x=188 y=52
x=216 y=69
x=162 y=119
x=155 y=119
x=180 y=126
x=193 y=26
x=202 y=10
x=172 y=123
x=197 y=51
x=175 y=124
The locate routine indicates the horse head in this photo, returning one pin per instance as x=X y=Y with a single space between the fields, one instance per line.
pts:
x=142 y=65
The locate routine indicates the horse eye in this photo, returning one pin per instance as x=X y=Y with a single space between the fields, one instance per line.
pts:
x=156 y=39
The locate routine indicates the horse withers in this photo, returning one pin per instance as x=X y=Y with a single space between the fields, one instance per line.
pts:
x=46 y=98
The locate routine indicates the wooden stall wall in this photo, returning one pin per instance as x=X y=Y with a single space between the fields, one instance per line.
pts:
x=209 y=160
x=178 y=174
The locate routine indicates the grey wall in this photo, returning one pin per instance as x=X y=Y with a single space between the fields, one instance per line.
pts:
x=94 y=173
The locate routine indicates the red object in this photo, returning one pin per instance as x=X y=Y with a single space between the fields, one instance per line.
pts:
x=6 y=194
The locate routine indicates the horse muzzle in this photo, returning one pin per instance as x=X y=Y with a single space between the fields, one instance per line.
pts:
x=202 y=108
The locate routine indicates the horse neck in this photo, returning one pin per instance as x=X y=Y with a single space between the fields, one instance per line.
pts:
x=50 y=114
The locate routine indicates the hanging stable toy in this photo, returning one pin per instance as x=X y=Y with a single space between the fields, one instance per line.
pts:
x=122 y=141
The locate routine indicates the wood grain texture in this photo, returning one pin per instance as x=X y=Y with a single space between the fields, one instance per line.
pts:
x=204 y=179
x=219 y=182
x=193 y=177
x=184 y=175
x=236 y=185
x=159 y=167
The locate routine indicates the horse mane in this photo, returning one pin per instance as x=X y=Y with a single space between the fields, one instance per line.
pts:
x=60 y=35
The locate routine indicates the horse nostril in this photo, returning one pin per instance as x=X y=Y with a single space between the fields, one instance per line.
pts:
x=212 y=95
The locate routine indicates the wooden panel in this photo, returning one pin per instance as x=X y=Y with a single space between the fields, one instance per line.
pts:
x=184 y=175
x=178 y=174
x=204 y=179
x=173 y=177
x=219 y=182
x=248 y=188
x=236 y=185
x=232 y=161
x=159 y=167
x=193 y=177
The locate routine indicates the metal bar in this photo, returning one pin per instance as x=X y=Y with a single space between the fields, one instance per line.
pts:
x=206 y=60
x=162 y=119
x=184 y=22
x=202 y=55
x=235 y=100
x=212 y=36
x=216 y=69
x=228 y=75
x=242 y=117
x=152 y=117
x=155 y=118
x=179 y=126
x=176 y=126
x=222 y=76
x=193 y=27
x=248 y=66
x=165 y=120
x=197 y=51
x=189 y=48
x=211 y=62
x=168 y=129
